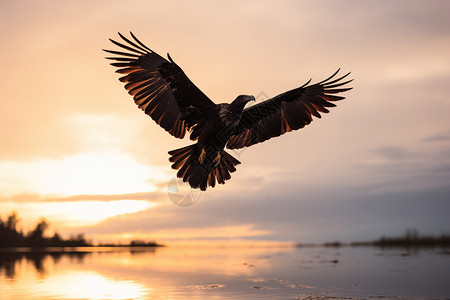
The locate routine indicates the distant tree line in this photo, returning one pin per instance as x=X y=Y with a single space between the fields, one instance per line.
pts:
x=411 y=238
x=133 y=243
x=12 y=236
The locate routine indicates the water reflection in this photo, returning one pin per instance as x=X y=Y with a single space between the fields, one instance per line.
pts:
x=77 y=284
x=13 y=258
x=223 y=273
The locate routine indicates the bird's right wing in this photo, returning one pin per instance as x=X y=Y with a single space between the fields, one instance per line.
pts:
x=289 y=111
x=159 y=87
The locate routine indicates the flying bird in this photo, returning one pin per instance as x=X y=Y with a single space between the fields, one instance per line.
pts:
x=163 y=91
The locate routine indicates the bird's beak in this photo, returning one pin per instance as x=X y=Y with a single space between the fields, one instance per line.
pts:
x=251 y=98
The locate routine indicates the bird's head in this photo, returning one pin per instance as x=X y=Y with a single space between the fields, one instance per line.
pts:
x=241 y=100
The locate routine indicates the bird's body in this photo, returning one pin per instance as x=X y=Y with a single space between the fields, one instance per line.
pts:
x=207 y=160
x=162 y=90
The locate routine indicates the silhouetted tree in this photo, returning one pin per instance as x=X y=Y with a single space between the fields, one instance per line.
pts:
x=36 y=237
x=411 y=234
x=12 y=221
x=9 y=235
x=56 y=239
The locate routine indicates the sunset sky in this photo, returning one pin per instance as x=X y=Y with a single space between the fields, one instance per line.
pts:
x=76 y=150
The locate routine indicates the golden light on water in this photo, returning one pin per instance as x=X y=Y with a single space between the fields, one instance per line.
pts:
x=224 y=272
x=111 y=273
x=78 y=284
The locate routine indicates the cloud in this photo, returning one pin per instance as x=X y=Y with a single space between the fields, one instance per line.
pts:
x=229 y=232
x=304 y=215
x=444 y=137
x=24 y=198
x=394 y=153
x=83 y=173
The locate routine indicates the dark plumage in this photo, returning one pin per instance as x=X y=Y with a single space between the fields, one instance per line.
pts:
x=161 y=89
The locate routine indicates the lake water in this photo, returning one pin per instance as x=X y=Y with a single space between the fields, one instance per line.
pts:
x=226 y=273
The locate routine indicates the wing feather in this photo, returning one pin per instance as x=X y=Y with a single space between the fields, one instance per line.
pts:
x=289 y=111
x=159 y=87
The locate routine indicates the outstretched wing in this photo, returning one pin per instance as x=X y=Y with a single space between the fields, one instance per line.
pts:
x=159 y=87
x=286 y=112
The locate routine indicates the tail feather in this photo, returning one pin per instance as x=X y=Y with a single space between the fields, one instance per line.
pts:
x=182 y=172
x=196 y=176
x=205 y=173
x=211 y=180
x=218 y=175
x=180 y=160
x=179 y=152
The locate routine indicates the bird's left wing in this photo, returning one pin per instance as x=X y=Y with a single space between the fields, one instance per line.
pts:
x=289 y=111
x=159 y=87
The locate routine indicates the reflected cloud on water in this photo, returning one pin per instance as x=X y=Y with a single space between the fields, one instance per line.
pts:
x=40 y=259
x=10 y=261
x=121 y=273
x=65 y=273
x=222 y=273
x=88 y=285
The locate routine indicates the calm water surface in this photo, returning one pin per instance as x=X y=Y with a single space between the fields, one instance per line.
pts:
x=225 y=273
